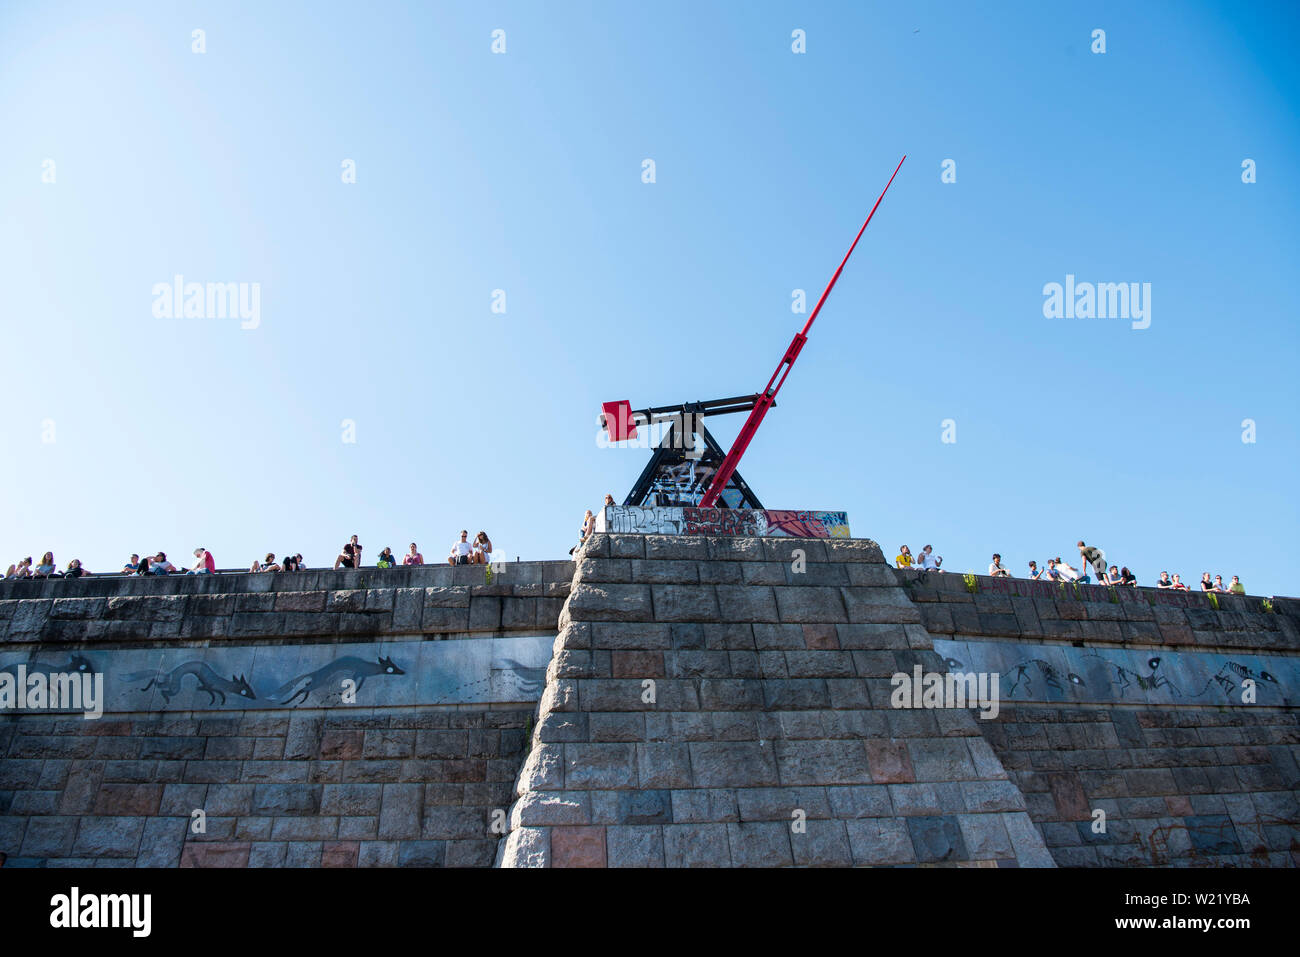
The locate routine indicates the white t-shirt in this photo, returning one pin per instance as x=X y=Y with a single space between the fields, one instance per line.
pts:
x=926 y=561
x=462 y=548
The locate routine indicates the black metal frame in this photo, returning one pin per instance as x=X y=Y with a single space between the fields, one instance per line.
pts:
x=674 y=445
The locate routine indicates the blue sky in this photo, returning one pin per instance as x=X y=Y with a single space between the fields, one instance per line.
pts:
x=522 y=172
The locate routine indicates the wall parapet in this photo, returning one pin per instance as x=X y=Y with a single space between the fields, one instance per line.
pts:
x=358 y=602
x=1019 y=608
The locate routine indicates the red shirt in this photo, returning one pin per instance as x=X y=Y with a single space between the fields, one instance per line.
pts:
x=209 y=562
x=416 y=559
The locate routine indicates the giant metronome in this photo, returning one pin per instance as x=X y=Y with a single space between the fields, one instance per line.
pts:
x=688 y=467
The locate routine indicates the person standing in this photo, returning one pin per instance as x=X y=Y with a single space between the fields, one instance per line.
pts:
x=1096 y=558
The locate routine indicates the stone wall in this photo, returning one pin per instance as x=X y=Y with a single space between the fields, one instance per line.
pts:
x=709 y=701
x=303 y=790
x=726 y=702
x=1184 y=771
x=392 y=779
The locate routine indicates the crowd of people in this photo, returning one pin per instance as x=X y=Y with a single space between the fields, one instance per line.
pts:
x=204 y=564
x=1059 y=570
x=463 y=552
x=479 y=552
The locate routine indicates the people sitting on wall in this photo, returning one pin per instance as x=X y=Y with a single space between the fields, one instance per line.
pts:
x=482 y=554
x=45 y=568
x=413 y=557
x=204 y=563
x=161 y=566
x=75 y=570
x=925 y=560
x=588 y=527
x=144 y=566
x=904 y=558
x=347 y=558
x=133 y=566
x=297 y=562
x=1126 y=577
x=1206 y=584
x=1051 y=573
x=1111 y=577
x=1164 y=581
x=21 y=570
x=609 y=499
x=1218 y=585
x=1237 y=588
x=996 y=569
x=1178 y=583
x=462 y=551
x=290 y=563
x=1095 y=557
x=386 y=559
x=1034 y=572
x=268 y=565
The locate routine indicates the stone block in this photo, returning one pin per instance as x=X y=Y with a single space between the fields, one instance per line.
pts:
x=876 y=842
x=578 y=846
x=696 y=845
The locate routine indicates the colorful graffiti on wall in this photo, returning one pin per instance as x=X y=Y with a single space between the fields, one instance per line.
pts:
x=748 y=522
x=262 y=677
x=1057 y=673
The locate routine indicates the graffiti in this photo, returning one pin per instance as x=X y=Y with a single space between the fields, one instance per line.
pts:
x=352 y=669
x=76 y=664
x=1058 y=672
x=638 y=520
x=170 y=683
x=1233 y=672
x=1151 y=681
x=271 y=677
x=808 y=524
x=750 y=522
x=680 y=480
x=725 y=521
x=1051 y=677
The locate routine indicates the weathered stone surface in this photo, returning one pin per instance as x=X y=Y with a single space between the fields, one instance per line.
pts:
x=769 y=739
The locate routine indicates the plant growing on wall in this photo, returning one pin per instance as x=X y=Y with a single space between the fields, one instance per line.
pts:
x=972 y=583
x=1266 y=605
x=1114 y=596
x=487 y=573
x=1214 y=600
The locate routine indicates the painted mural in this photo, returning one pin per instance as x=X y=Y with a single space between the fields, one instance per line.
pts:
x=1064 y=673
x=272 y=677
x=760 y=523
